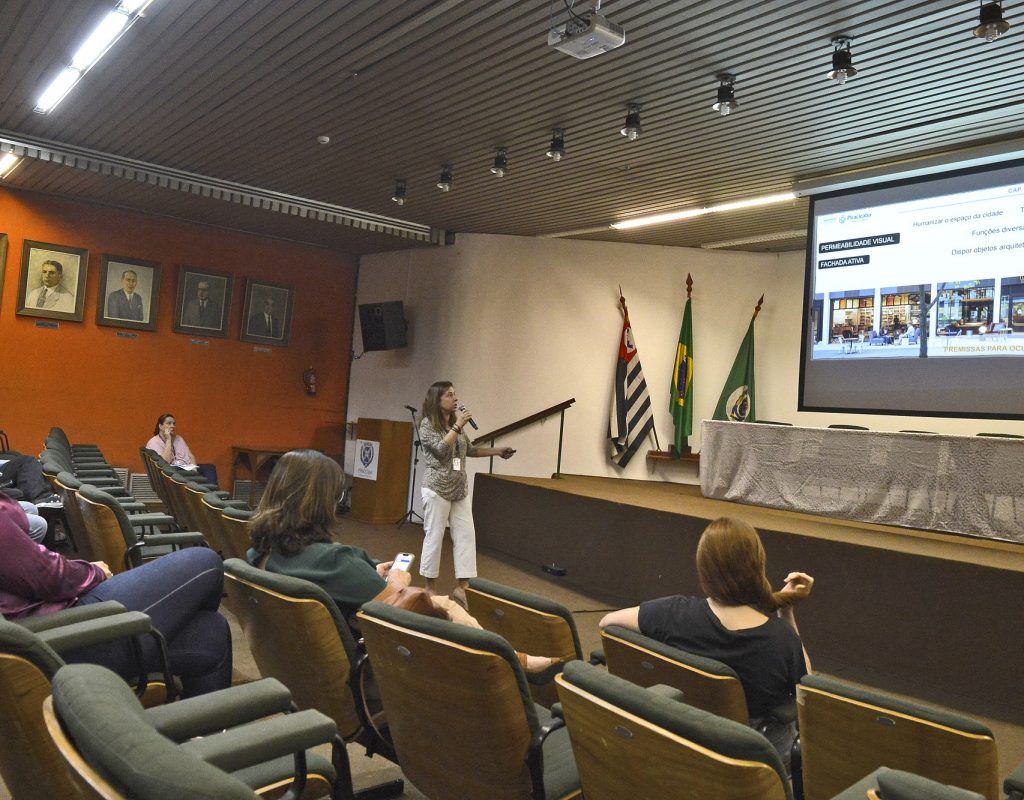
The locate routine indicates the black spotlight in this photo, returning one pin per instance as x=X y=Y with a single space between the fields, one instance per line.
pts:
x=500 y=167
x=444 y=183
x=556 y=152
x=399 y=195
x=842 y=61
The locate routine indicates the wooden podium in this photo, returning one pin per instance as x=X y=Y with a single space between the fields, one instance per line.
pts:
x=384 y=499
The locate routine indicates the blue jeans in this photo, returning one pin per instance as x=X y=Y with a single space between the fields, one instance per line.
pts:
x=36 y=524
x=180 y=592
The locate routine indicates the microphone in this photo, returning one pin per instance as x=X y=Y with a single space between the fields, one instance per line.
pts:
x=410 y=408
x=462 y=408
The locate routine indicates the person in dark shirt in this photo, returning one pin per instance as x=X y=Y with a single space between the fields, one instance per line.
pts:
x=741 y=622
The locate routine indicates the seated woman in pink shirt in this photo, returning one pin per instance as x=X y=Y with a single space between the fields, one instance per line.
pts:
x=173 y=449
x=180 y=592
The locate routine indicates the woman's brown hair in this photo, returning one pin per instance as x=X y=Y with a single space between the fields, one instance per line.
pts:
x=432 y=406
x=298 y=506
x=731 y=566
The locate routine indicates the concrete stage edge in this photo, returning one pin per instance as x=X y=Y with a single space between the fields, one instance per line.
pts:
x=935 y=616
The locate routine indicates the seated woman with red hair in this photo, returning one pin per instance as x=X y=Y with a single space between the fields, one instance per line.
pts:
x=741 y=622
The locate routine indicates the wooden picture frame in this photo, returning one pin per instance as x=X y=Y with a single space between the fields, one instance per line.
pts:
x=267 y=313
x=129 y=290
x=204 y=302
x=3 y=262
x=52 y=283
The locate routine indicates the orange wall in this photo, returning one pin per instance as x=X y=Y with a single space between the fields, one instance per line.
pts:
x=109 y=390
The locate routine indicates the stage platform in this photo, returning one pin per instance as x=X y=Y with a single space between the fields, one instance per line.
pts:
x=933 y=615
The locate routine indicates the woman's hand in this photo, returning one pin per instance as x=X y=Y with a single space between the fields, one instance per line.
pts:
x=506 y=452
x=463 y=418
x=383 y=568
x=103 y=566
x=398 y=578
x=797 y=587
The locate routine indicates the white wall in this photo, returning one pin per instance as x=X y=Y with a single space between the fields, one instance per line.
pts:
x=520 y=324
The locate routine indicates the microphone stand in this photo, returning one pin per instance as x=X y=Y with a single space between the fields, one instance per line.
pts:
x=411 y=515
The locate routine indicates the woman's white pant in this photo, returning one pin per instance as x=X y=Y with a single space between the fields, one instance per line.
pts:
x=439 y=513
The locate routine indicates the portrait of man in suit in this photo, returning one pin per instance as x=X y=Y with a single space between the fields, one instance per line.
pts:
x=265 y=322
x=128 y=293
x=52 y=294
x=52 y=281
x=268 y=312
x=204 y=302
x=126 y=302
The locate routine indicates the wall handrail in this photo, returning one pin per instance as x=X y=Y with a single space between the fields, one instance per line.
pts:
x=522 y=423
x=490 y=437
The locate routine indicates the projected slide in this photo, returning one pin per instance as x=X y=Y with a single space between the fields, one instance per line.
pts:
x=939 y=277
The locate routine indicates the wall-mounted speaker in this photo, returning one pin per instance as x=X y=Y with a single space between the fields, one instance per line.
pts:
x=383 y=325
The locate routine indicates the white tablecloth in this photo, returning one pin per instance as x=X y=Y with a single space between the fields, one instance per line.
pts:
x=958 y=484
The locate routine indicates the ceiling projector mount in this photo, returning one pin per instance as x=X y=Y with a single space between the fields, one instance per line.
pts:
x=586 y=34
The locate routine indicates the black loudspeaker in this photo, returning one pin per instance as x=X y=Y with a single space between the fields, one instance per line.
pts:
x=383 y=325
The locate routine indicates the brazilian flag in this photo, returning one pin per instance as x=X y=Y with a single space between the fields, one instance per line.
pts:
x=737 y=400
x=681 y=402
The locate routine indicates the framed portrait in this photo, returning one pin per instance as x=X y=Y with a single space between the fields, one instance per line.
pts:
x=267 y=314
x=52 y=281
x=204 y=302
x=129 y=291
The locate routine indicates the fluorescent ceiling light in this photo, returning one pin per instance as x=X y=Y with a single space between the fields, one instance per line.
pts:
x=102 y=38
x=675 y=216
x=778 y=236
x=55 y=92
x=103 y=35
x=7 y=163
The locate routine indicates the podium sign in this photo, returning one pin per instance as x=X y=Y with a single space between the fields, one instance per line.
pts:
x=366 y=459
x=380 y=483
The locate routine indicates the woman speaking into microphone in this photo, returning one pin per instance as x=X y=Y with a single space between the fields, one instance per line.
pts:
x=445 y=489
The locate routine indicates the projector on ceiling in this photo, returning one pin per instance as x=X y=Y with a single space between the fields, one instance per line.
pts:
x=586 y=36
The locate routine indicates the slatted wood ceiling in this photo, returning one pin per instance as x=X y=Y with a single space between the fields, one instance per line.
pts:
x=239 y=90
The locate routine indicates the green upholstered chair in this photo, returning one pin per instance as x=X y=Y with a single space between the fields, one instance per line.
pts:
x=236 y=530
x=631 y=742
x=117 y=538
x=847 y=732
x=29 y=658
x=704 y=682
x=460 y=713
x=298 y=635
x=894 y=784
x=210 y=510
x=530 y=623
x=220 y=745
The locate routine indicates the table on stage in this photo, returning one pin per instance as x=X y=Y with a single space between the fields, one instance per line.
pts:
x=254 y=459
x=957 y=484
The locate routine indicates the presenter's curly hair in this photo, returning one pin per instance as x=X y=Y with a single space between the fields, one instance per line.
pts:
x=432 y=405
x=731 y=566
x=298 y=506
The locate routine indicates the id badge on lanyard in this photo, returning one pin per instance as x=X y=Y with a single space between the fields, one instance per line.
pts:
x=456 y=460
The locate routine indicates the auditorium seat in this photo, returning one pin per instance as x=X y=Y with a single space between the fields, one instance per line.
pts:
x=530 y=623
x=226 y=744
x=459 y=711
x=29 y=658
x=298 y=635
x=847 y=732
x=630 y=742
x=113 y=535
x=894 y=784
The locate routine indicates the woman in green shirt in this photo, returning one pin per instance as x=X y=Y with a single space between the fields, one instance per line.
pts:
x=295 y=532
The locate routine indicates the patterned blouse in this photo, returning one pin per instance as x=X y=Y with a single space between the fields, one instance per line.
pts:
x=437 y=456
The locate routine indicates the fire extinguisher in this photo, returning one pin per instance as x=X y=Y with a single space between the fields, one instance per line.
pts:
x=309 y=381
